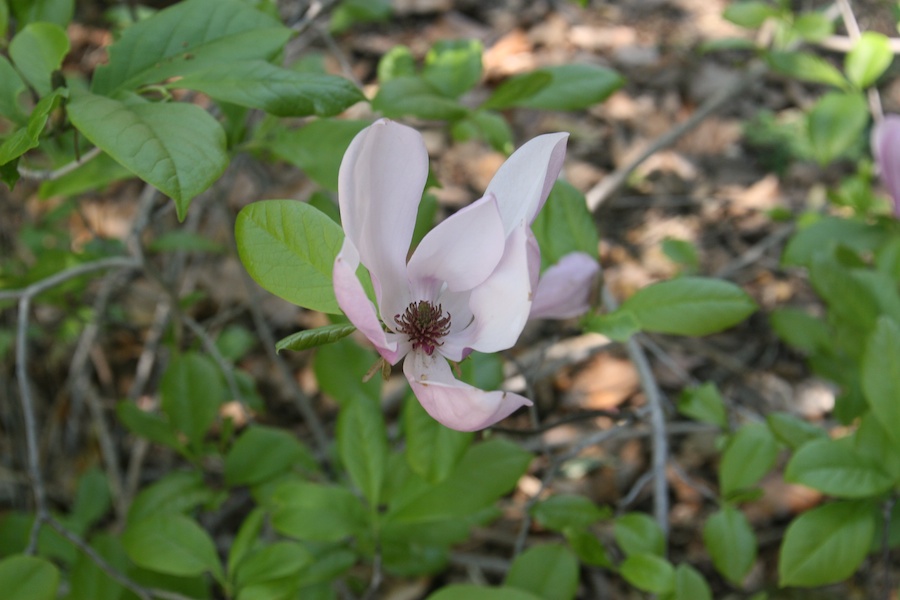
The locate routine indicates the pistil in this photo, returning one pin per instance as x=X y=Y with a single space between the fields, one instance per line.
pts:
x=425 y=324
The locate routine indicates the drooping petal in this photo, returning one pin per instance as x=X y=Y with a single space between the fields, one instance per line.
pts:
x=454 y=403
x=523 y=182
x=501 y=304
x=381 y=180
x=461 y=251
x=564 y=290
x=352 y=299
x=886 y=148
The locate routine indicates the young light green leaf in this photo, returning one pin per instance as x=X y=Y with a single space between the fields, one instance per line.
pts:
x=363 y=446
x=192 y=391
x=549 y=571
x=37 y=51
x=28 y=578
x=749 y=14
x=281 y=92
x=812 y=26
x=881 y=375
x=689 y=306
x=750 y=454
x=397 y=62
x=637 y=533
x=792 y=430
x=618 y=325
x=805 y=67
x=315 y=512
x=648 y=572
x=187 y=37
x=826 y=544
x=178 y=148
x=565 y=225
x=289 y=247
x=312 y=338
x=415 y=97
x=28 y=137
x=833 y=468
x=172 y=544
x=262 y=453
x=870 y=57
x=573 y=87
x=317 y=147
x=518 y=89
x=432 y=450
x=704 y=403
x=836 y=123
x=453 y=67
x=731 y=543
x=564 y=511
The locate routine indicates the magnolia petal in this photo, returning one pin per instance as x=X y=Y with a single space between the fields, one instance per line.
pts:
x=564 y=290
x=352 y=299
x=381 y=180
x=523 y=182
x=886 y=148
x=461 y=251
x=454 y=403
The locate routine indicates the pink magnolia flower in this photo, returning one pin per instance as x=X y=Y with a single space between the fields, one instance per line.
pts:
x=886 y=148
x=469 y=283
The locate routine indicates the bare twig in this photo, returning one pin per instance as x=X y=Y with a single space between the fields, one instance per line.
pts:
x=316 y=9
x=63 y=170
x=122 y=262
x=843 y=43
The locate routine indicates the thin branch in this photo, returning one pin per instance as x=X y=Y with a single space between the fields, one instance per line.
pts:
x=315 y=10
x=843 y=43
x=123 y=262
x=31 y=436
x=50 y=175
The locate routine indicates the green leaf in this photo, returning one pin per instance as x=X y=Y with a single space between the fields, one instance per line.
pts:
x=37 y=51
x=314 y=512
x=58 y=12
x=731 y=543
x=565 y=225
x=517 y=89
x=805 y=67
x=836 y=123
x=826 y=544
x=486 y=125
x=749 y=14
x=689 y=306
x=681 y=252
x=28 y=578
x=281 y=92
x=363 y=446
x=588 y=548
x=146 y=424
x=564 y=511
x=289 y=247
x=397 y=62
x=474 y=592
x=486 y=472
x=574 y=87
x=415 y=97
x=246 y=538
x=317 y=148
x=90 y=176
x=792 y=430
x=689 y=585
x=340 y=368
x=799 y=329
x=311 y=338
x=11 y=88
x=453 y=67
x=637 y=533
x=28 y=137
x=704 y=403
x=549 y=571
x=825 y=234
x=178 y=148
x=812 y=26
x=192 y=392
x=833 y=468
x=881 y=375
x=618 y=325
x=176 y=492
x=868 y=60
x=750 y=454
x=847 y=297
x=262 y=453
x=184 y=241
x=92 y=499
x=89 y=581
x=648 y=572
x=277 y=561
x=188 y=37
x=432 y=450
x=172 y=544
x=873 y=441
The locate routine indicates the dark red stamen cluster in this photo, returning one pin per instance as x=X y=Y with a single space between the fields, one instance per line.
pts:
x=425 y=324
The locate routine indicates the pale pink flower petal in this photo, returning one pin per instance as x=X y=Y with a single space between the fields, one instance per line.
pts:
x=352 y=299
x=461 y=251
x=523 y=182
x=454 y=403
x=886 y=148
x=564 y=290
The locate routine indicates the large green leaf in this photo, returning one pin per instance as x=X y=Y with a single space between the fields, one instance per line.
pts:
x=881 y=375
x=178 y=148
x=549 y=571
x=832 y=467
x=289 y=248
x=573 y=87
x=281 y=92
x=826 y=544
x=37 y=51
x=363 y=446
x=836 y=124
x=432 y=450
x=310 y=511
x=28 y=578
x=262 y=453
x=317 y=147
x=192 y=391
x=731 y=543
x=516 y=90
x=750 y=454
x=689 y=306
x=187 y=37
x=172 y=544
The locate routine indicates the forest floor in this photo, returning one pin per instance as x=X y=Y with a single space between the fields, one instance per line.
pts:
x=725 y=186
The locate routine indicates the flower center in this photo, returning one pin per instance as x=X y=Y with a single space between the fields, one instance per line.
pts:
x=425 y=324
